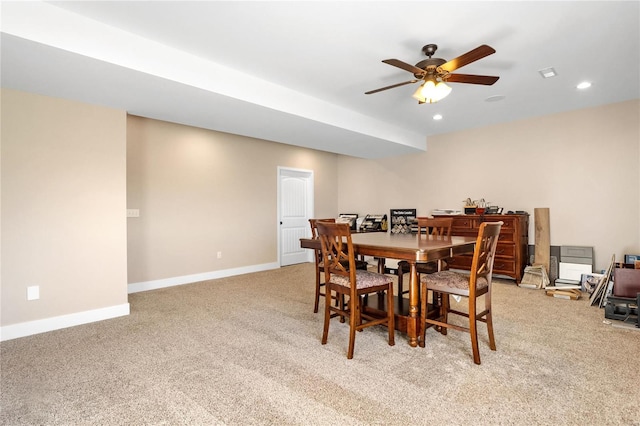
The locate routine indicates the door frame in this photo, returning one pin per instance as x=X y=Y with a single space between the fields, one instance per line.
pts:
x=309 y=177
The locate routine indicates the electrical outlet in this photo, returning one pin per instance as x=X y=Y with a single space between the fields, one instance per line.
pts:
x=219 y=255
x=33 y=292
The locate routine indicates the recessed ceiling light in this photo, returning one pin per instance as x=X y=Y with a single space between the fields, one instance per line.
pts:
x=548 y=72
x=584 y=85
x=437 y=117
x=495 y=98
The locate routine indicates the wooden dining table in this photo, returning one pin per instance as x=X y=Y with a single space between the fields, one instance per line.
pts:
x=412 y=248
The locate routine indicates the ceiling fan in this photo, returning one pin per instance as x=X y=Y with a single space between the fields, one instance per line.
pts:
x=436 y=72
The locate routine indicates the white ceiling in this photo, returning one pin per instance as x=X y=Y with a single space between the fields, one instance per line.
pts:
x=296 y=72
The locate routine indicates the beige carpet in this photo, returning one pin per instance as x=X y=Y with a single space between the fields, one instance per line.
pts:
x=246 y=350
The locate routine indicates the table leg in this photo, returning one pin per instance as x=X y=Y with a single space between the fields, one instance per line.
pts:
x=414 y=292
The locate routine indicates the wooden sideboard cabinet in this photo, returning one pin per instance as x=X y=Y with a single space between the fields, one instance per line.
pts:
x=512 y=251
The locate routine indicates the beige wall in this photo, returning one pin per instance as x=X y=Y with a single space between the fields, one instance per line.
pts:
x=65 y=187
x=63 y=207
x=584 y=165
x=200 y=192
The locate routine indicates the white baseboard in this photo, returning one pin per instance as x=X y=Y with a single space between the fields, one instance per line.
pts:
x=190 y=279
x=28 y=328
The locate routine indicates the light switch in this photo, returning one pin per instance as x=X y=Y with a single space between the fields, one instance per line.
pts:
x=33 y=292
x=133 y=213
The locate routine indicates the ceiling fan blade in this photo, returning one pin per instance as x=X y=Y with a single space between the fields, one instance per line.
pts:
x=471 y=56
x=390 y=87
x=471 y=79
x=405 y=66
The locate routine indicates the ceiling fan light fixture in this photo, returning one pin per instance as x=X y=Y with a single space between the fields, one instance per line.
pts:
x=432 y=91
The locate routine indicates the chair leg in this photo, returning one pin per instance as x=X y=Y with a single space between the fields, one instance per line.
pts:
x=353 y=319
x=444 y=311
x=492 y=340
x=315 y=306
x=327 y=314
x=391 y=324
x=436 y=300
x=400 y=279
x=423 y=315
x=473 y=330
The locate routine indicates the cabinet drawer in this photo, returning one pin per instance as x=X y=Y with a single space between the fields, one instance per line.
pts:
x=504 y=266
x=506 y=237
x=506 y=250
x=508 y=224
x=462 y=224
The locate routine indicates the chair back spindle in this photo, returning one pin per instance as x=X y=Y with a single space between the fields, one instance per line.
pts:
x=438 y=226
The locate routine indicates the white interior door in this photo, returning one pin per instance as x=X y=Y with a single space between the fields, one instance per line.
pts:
x=295 y=208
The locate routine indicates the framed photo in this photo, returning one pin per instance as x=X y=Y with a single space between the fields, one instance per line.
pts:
x=589 y=282
x=631 y=258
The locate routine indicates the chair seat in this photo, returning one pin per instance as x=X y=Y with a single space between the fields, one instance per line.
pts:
x=422 y=268
x=364 y=279
x=452 y=282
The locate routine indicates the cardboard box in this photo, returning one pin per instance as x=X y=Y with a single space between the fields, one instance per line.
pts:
x=626 y=282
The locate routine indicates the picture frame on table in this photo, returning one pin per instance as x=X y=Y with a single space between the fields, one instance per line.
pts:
x=631 y=258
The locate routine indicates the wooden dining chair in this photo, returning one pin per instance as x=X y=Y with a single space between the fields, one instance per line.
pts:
x=337 y=247
x=472 y=286
x=360 y=264
x=439 y=227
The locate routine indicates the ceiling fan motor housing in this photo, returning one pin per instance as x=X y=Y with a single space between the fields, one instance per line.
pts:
x=429 y=65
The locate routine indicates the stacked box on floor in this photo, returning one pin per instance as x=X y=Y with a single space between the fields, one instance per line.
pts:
x=624 y=304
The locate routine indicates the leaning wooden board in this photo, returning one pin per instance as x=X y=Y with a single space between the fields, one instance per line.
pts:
x=542 y=237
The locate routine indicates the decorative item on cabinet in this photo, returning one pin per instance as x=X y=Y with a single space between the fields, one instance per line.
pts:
x=480 y=207
x=469 y=206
